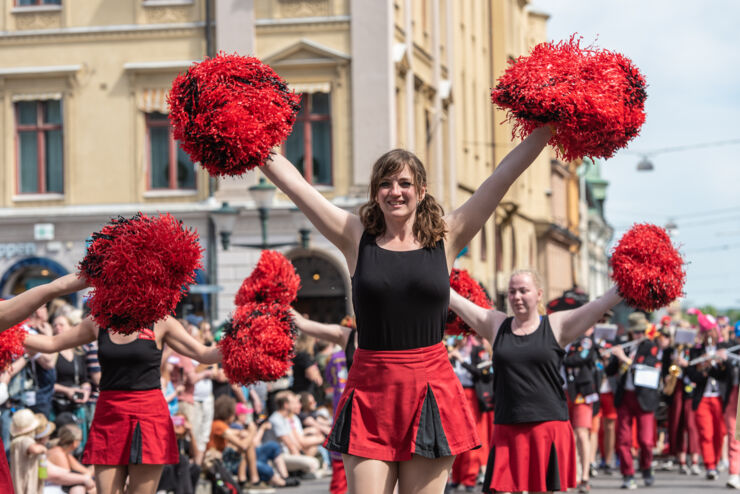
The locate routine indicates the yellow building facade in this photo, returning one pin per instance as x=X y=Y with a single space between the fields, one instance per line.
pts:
x=89 y=83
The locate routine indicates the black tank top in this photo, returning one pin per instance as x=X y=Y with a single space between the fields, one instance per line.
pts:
x=400 y=298
x=349 y=350
x=526 y=376
x=130 y=366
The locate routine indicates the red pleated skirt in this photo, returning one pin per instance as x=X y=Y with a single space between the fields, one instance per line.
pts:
x=403 y=402
x=534 y=457
x=6 y=482
x=131 y=427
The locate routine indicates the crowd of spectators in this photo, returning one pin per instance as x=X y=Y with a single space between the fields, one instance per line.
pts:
x=266 y=436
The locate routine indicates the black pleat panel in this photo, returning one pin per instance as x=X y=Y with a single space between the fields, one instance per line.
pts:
x=339 y=437
x=553 y=470
x=489 y=471
x=136 y=448
x=431 y=441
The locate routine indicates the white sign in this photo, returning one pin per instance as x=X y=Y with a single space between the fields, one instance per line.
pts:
x=8 y=251
x=43 y=231
x=646 y=376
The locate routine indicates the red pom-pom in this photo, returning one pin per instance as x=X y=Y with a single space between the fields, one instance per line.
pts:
x=273 y=280
x=595 y=98
x=11 y=345
x=258 y=343
x=229 y=111
x=647 y=269
x=465 y=285
x=139 y=269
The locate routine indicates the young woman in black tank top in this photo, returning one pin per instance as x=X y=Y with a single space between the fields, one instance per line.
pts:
x=533 y=446
x=399 y=252
x=132 y=434
x=17 y=309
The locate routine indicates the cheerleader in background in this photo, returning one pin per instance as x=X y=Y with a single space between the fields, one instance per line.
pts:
x=132 y=435
x=533 y=444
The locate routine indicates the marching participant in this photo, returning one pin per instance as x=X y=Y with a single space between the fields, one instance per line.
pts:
x=533 y=443
x=730 y=400
x=636 y=397
x=708 y=373
x=400 y=250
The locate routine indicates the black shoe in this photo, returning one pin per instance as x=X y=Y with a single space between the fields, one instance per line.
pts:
x=292 y=482
x=648 y=477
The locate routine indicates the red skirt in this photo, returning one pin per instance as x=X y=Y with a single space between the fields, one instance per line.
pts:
x=6 y=482
x=403 y=402
x=534 y=457
x=131 y=427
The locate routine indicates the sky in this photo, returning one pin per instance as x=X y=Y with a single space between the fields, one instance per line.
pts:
x=689 y=53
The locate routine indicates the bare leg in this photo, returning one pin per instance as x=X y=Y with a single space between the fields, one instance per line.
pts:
x=110 y=479
x=583 y=441
x=595 y=438
x=144 y=479
x=609 y=440
x=422 y=475
x=366 y=476
x=279 y=463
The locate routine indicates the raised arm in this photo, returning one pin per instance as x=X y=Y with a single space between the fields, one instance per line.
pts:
x=485 y=322
x=464 y=222
x=183 y=343
x=337 y=225
x=333 y=333
x=21 y=306
x=568 y=325
x=83 y=333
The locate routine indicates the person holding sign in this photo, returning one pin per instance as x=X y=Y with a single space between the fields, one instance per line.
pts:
x=636 y=398
x=533 y=443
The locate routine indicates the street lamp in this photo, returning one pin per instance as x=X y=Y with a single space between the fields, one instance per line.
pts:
x=224 y=219
x=645 y=165
x=263 y=194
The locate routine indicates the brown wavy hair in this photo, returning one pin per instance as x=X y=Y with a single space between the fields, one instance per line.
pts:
x=429 y=227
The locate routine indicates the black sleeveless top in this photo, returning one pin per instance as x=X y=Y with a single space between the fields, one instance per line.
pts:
x=130 y=366
x=400 y=298
x=526 y=376
x=349 y=350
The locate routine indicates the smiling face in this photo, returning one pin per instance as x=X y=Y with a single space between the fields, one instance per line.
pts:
x=398 y=195
x=398 y=183
x=524 y=294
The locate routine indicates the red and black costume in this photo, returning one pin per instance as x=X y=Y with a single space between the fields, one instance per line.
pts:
x=533 y=446
x=580 y=374
x=707 y=405
x=402 y=396
x=132 y=424
x=635 y=403
x=729 y=400
x=682 y=434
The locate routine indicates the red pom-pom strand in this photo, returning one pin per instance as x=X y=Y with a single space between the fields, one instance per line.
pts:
x=11 y=345
x=229 y=111
x=273 y=280
x=258 y=343
x=648 y=270
x=465 y=285
x=139 y=269
x=595 y=98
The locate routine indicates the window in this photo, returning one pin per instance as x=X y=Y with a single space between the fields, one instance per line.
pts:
x=309 y=145
x=23 y=3
x=169 y=166
x=40 y=147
